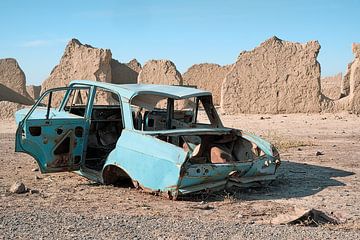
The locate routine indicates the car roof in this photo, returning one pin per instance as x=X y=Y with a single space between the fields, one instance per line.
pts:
x=131 y=90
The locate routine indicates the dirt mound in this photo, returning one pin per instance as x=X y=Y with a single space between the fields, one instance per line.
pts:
x=207 y=76
x=13 y=77
x=276 y=77
x=8 y=109
x=80 y=61
x=331 y=86
x=34 y=91
x=160 y=72
x=125 y=73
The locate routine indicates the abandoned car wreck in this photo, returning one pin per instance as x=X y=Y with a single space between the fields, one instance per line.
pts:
x=165 y=139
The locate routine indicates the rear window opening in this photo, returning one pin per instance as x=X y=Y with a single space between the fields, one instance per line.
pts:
x=157 y=113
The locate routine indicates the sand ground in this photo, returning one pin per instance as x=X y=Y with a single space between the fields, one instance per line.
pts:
x=68 y=206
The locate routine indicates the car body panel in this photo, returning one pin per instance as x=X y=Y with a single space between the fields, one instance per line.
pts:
x=154 y=164
x=43 y=147
x=128 y=91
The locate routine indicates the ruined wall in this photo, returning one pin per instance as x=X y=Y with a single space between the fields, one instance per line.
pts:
x=13 y=77
x=331 y=86
x=80 y=61
x=84 y=62
x=354 y=95
x=350 y=88
x=34 y=91
x=8 y=109
x=13 y=94
x=7 y=94
x=276 y=77
x=345 y=83
x=134 y=65
x=207 y=76
x=160 y=72
x=125 y=73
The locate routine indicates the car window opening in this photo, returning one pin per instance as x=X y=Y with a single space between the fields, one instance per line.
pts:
x=105 y=128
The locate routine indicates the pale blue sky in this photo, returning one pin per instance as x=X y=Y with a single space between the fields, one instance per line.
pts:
x=187 y=32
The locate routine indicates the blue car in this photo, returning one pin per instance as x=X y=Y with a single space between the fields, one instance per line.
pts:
x=164 y=139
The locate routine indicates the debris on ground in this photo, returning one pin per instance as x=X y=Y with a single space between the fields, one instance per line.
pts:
x=263 y=118
x=318 y=153
x=18 y=187
x=34 y=191
x=305 y=217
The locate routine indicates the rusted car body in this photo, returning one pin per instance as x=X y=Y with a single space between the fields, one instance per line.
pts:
x=165 y=139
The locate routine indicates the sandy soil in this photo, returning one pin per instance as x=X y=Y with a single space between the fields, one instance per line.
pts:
x=68 y=206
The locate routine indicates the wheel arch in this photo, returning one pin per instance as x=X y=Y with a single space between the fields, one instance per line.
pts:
x=115 y=175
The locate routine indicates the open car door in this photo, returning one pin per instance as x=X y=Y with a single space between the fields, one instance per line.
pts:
x=53 y=131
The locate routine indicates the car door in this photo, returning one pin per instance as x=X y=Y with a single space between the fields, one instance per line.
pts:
x=54 y=130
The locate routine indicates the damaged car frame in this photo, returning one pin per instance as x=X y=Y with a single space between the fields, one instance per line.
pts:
x=163 y=139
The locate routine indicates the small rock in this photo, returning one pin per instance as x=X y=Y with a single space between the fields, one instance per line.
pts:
x=18 y=188
x=35 y=169
x=37 y=177
x=318 y=153
x=262 y=118
x=299 y=149
x=33 y=191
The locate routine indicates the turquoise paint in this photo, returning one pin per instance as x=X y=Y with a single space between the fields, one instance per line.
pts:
x=129 y=91
x=153 y=163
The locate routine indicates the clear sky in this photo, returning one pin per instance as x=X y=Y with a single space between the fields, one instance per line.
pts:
x=186 y=31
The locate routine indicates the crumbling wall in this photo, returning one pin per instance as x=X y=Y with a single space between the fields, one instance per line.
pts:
x=160 y=72
x=34 y=91
x=125 y=73
x=80 y=61
x=13 y=77
x=345 y=83
x=354 y=95
x=8 y=109
x=207 y=76
x=13 y=94
x=84 y=62
x=331 y=86
x=276 y=77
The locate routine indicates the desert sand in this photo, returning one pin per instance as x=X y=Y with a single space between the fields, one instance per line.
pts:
x=66 y=205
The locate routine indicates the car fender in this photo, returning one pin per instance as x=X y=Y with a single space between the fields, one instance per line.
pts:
x=152 y=163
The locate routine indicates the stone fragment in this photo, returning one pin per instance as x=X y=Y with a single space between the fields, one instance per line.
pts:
x=18 y=188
